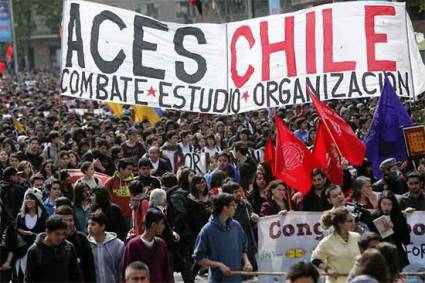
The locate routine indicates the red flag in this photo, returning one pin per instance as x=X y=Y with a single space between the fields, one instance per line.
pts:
x=269 y=153
x=9 y=53
x=293 y=161
x=327 y=154
x=2 y=67
x=347 y=143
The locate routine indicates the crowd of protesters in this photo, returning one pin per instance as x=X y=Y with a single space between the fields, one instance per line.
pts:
x=154 y=216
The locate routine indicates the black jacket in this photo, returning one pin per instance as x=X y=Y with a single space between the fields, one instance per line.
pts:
x=199 y=214
x=397 y=186
x=149 y=181
x=178 y=212
x=163 y=166
x=84 y=256
x=400 y=238
x=247 y=169
x=37 y=229
x=12 y=196
x=312 y=202
x=116 y=222
x=52 y=264
x=8 y=239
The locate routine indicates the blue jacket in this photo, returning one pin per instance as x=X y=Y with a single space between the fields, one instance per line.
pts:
x=224 y=244
x=234 y=173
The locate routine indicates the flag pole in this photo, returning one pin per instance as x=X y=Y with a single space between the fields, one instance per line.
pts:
x=326 y=125
x=332 y=137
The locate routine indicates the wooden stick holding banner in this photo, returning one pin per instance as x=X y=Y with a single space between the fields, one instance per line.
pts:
x=269 y=273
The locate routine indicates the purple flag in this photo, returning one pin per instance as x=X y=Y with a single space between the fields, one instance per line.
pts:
x=385 y=137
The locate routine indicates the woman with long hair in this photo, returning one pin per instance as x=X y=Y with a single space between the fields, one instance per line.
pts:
x=47 y=169
x=362 y=194
x=277 y=199
x=101 y=201
x=185 y=176
x=211 y=147
x=4 y=159
x=372 y=269
x=26 y=168
x=258 y=194
x=388 y=205
x=201 y=203
x=29 y=223
x=81 y=206
x=74 y=159
x=336 y=253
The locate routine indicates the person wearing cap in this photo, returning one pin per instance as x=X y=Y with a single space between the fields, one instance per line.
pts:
x=393 y=179
x=132 y=148
x=11 y=193
x=30 y=222
x=414 y=199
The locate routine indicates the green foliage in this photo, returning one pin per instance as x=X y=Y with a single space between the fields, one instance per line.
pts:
x=50 y=12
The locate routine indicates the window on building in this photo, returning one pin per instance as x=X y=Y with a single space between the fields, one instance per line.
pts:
x=149 y=9
x=55 y=56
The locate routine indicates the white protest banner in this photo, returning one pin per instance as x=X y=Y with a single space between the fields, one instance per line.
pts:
x=416 y=251
x=285 y=240
x=112 y=54
x=196 y=161
x=339 y=50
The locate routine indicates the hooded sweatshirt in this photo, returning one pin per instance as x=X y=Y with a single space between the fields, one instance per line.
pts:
x=52 y=264
x=108 y=257
x=224 y=244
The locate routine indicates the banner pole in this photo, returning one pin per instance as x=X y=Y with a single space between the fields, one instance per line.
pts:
x=406 y=17
x=270 y=273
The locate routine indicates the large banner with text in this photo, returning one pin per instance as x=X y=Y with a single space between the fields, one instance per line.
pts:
x=338 y=50
x=285 y=240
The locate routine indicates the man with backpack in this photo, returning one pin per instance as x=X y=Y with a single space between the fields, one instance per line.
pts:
x=51 y=258
x=178 y=211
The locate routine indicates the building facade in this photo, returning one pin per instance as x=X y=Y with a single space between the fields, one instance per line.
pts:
x=44 y=46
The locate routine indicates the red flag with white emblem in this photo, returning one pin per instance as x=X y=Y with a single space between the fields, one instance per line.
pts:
x=293 y=161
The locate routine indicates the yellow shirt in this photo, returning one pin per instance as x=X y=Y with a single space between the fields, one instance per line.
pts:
x=338 y=254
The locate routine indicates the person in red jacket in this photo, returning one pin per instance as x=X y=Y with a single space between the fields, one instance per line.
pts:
x=151 y=249
x=117 y=186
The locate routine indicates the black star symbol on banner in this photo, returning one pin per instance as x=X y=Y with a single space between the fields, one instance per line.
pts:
x=245 y=96
x=151 y=91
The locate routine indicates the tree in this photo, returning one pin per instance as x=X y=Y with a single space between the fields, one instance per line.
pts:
x=29 y=13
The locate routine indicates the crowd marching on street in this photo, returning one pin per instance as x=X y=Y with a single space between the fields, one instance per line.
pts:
x=136 y=213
